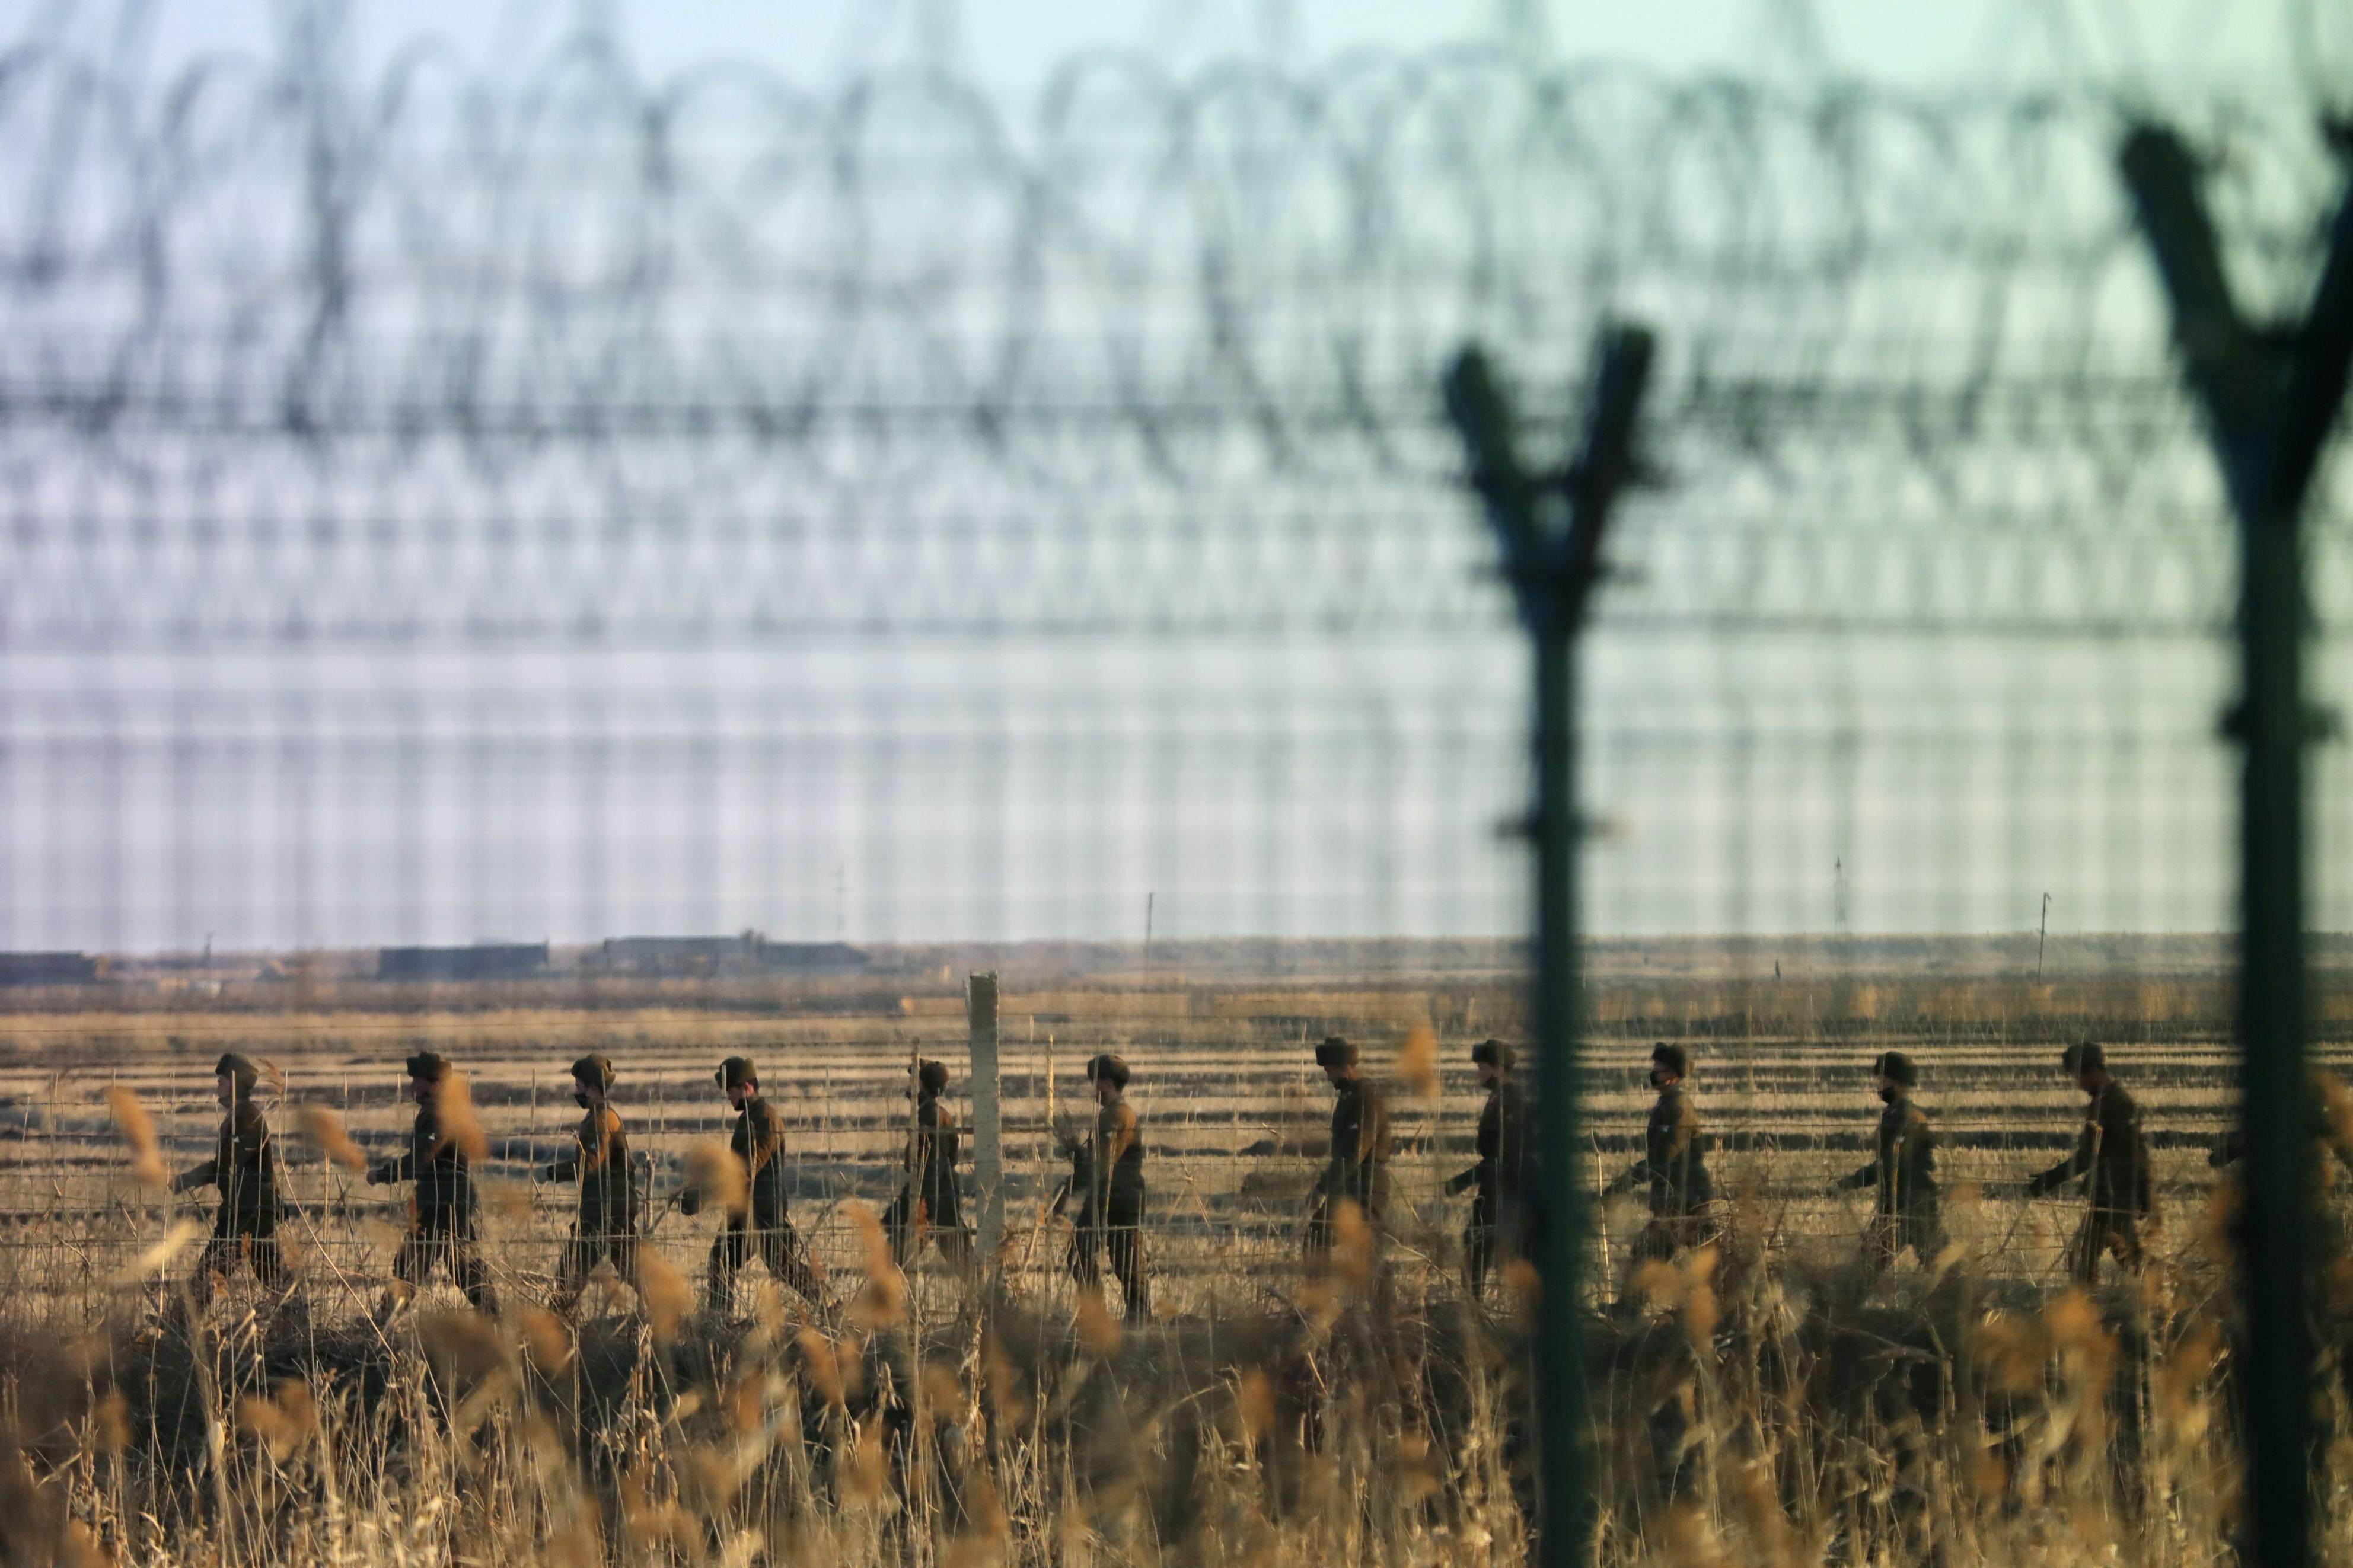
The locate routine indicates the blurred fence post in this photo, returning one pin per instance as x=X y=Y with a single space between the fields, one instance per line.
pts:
x=1550 y=526
x=988 y=1115
x=2271 y=397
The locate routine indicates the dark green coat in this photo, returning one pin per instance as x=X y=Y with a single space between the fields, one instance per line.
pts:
x=1904 y=1169
x=1674 y=1157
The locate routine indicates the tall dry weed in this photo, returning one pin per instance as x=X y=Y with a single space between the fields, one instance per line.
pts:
x=460 y=1124
x=1418 y=1061
x=137 y=1130
x=327 y=1133
x=667 y=1296
x=713 y=1172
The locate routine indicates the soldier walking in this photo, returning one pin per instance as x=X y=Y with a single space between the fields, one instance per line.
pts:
x=762 y=1224
x=1904 y=1170
x=2110 y=1151
x=1356 y=1169
x=1673 y=1165
x=443 y=1221
x=929 y=1202
x=1495 y=1182
x=1108 y=1168
x=244 y=1166
x=2329 y=1114
x=606 y=1228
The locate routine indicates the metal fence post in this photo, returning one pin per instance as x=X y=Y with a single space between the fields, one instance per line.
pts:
x=2270 y=398
x=1550 y=527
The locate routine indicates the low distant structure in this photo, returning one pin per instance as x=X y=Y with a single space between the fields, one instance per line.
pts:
x=681 y=957
x=48 y=968
x=811 y=957
x=480 y=961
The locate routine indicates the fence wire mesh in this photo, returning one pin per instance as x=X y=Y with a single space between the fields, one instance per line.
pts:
x=879 y=534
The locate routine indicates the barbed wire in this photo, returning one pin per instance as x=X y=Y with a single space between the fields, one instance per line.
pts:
x=574 y=353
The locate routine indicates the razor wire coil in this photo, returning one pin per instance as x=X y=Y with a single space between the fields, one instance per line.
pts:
x=580 y=355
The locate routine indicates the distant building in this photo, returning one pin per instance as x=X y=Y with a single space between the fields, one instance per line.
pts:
x=46 y=968
x=812 y=957
x=482 y=961
x=673 y=957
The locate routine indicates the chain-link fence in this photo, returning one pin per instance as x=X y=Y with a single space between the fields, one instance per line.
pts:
x=672 y=568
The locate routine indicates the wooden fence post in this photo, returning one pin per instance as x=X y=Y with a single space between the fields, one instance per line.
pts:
x=988 y=1115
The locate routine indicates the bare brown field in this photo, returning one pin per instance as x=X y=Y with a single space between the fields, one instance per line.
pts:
x=1232 y=1103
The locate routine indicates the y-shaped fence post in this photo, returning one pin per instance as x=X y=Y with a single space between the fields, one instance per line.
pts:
x=1550 y=526
x=2271 y=397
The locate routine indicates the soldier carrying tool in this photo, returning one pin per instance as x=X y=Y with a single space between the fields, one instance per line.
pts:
x=763 y=1222
x=244 y=1166
x=929 y=1202
x=1107 y=1167
x=443 y=1219
x=1904 y=1170
x=1673 y=1164
x=1357 y=1168
x=2112 y=1154
x=1495 y=1182
x=606 y=1230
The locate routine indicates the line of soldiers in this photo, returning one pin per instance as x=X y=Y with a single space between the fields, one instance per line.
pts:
x=2110 y=1155
x=444 y=1227
x=1107 y=1177
x=1355 y=1174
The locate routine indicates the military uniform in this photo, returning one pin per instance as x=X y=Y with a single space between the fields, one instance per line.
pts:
x=244 y=1166
x=764 y=1224
x=1674 y=1167
x=445 y=1221
x=1904 y=1171
x=2119 y=1195
x=929 y=1202
x=1495 y=1180
x=1357 y=1168
x=606 y=1230
x=1108 y=1168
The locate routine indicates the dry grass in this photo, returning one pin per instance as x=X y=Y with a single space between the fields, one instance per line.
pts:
x=990 y=1434
x=1750 y=1412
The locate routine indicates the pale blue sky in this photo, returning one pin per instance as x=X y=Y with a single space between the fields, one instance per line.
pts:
x=885 y=787
x=2169 y=44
